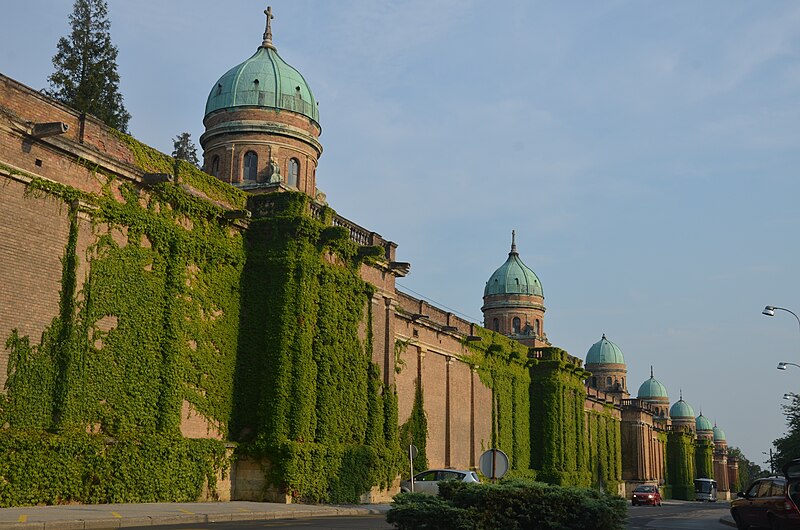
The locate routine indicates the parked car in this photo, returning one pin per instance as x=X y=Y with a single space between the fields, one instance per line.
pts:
x=770 y=502
x=428 y=481
x=646 y=494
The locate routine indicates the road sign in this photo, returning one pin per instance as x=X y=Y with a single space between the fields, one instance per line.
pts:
x=494 y=463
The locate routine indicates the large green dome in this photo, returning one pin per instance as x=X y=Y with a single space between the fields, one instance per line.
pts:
x=703 y=423
x=681 y=410
x=513 y=277
x=263 y=80
x=719 y=434
x=652 y=388
x=604 y=352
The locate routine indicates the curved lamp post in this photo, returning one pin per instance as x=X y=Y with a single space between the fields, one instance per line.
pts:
x=782 y=365
x=770 y=312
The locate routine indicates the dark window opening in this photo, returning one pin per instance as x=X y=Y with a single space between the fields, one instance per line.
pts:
x=215 y=166
x=250 y=166
x=515 y=324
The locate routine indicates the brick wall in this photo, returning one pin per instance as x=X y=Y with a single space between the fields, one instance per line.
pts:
x=33 y=237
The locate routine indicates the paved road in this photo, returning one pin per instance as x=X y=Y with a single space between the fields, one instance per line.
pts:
x=363 y=522
x=678 y=515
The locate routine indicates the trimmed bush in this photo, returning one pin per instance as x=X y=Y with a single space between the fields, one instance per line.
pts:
x=514 y=504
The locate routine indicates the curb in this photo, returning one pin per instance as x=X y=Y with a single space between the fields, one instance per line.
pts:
x=102 y=523
x=727 y=521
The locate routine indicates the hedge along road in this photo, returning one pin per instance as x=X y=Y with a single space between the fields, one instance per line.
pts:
x=678 y=515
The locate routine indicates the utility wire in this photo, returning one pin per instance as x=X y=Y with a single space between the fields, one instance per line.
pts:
x=439 y=304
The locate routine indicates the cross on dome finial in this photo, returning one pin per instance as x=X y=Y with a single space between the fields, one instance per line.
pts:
x=513 y=242
x=651 y=371
x=267 y=42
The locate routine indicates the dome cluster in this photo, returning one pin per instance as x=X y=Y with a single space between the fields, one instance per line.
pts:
x=605 y=359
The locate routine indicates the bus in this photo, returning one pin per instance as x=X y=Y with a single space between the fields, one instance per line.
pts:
x=705 y=489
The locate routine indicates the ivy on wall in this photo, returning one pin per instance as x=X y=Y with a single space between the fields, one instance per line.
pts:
x=605 y=449
x=307 y=395
x=415 y=431
x=681 y=464
x=262 y=333
x=503 y=366
x=558 y=427
x=704 y=458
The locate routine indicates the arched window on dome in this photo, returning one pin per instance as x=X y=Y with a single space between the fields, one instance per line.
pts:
x=294 y=171
x=623 y=382
x=608 y=382
x=250 y=166
x=215 y=166
x=536 y=327
x=594 y=382
x=515 y=324
x=496 y=324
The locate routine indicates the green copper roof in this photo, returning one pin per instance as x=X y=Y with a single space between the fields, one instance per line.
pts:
x=681 y=410
x=703 y=423
x=719 y=434
x=652 y=388
x=263 y=80
x=513 y=277
x=604 y=352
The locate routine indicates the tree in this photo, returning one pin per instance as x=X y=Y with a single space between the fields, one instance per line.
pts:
x=788 y=447
x=85 y=76
x=184 y=149
x=748 y=471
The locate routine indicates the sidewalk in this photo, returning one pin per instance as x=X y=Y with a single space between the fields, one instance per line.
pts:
x=100 y=516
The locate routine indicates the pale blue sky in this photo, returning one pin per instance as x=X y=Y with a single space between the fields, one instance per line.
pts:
x=646 y=154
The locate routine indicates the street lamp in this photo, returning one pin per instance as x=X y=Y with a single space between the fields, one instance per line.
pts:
x=782 y=365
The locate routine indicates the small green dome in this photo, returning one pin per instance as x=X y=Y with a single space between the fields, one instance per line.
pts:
x=513 y=277
x=263 y=80
x=604 y=352
x=703 y=423
x=681 y=410
x=652 y=388
x=719 y=434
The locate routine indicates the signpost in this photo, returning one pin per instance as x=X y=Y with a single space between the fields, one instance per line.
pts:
x=412 y=452
x=493 y=464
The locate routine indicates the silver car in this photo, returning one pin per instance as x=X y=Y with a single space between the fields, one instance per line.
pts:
x=428 y=481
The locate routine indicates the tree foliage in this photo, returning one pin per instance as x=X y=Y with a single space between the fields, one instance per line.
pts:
x=85 y=76
x=748 y=471
x=788 y=446
x=184 y=149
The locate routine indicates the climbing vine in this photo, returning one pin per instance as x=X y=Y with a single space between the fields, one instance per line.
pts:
x=259 y=332
x=681 y=464
x=604 y=449
x=415 y=431
x=503 y=365
x=704 y=458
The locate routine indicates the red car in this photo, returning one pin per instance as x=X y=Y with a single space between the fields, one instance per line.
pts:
x=646 y=494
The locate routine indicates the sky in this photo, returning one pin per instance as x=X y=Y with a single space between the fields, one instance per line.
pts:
x=646 y=153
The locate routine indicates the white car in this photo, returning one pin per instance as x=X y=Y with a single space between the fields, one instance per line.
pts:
x=428 y=481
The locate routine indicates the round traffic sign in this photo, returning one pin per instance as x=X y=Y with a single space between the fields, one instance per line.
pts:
x=494 y=463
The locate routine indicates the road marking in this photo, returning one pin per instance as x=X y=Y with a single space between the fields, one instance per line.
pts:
x=115 y=514
x=185 y=511
x=22 y=518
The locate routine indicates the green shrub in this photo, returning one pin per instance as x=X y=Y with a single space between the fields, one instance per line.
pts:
x=514 y=504
x=418 y=511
